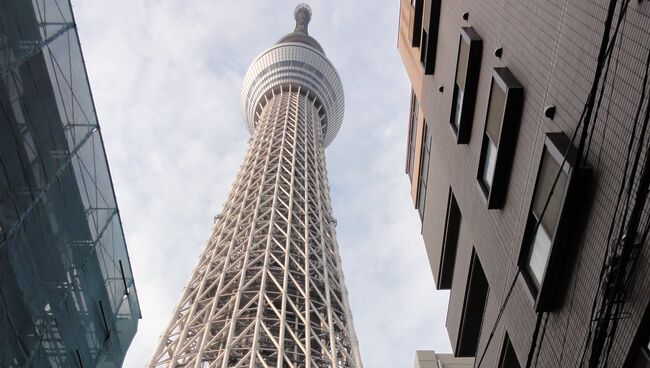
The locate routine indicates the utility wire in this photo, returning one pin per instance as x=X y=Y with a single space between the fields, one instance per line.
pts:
x=604 y=332
x=613 y=245
x=605 y=52
x=585 y=116
x=496 y=322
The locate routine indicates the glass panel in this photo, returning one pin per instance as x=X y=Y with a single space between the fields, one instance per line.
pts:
x=548 y=170
x=425 y=156
x=495 y=112
x=461 y=69
x=458 y=106
x=473 y=309
x=453 y=221
x=423 y=48
x=424 y=169
x=643 y=357
x=62 y=258
x=489 y=163
x=539 y=254
x=642 y=360
x=508 y=356
x=413 y=133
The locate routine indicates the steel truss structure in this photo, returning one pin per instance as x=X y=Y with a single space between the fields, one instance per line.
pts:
x=268 y=290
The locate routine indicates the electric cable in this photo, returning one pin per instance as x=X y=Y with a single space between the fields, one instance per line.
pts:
x=623 y=185
x=605 y=50
x=496 y=322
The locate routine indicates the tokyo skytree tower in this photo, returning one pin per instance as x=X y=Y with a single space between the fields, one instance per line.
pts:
x=268 y=290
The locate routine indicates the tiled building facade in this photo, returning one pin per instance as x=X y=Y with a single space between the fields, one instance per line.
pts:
x=498 y=107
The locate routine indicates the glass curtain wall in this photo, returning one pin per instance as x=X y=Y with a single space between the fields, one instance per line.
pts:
x=67 y=295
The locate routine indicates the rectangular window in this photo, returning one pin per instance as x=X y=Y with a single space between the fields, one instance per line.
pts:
x=423 y=48
x=638 y=355
x=499 y=136
x=424 y=170
x=468 y=66
x=553 y=206
x=429 y=41
x=643 y=358
x=476 y=295
x=413 y=126
x=508 y=357
x=415 y=22
x=541 y=237
x=449 y=243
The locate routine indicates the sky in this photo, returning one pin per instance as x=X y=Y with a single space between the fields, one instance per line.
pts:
x=166 y=77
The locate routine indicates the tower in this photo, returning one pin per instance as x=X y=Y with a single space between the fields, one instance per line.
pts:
x=268 y=290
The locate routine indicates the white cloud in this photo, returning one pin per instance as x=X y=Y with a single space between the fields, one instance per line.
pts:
x=166 y=77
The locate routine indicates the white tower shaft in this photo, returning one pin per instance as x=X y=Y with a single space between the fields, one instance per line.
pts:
x=268 y=290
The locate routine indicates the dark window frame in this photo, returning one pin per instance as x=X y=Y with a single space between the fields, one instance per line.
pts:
x=424 y=48
x=495 y=193
x=413 y=127
x=415 y=22
x=643 y=357
x=425 y=154
x=453 y=222
x=556 y=146
x=508 y=356
x=471 y=335
x=429 y=39
x=470 y=77
x=639 y=353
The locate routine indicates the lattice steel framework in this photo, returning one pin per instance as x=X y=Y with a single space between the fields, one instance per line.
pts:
x=268 y=290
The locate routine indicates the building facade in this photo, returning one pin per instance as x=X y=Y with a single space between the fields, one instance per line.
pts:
x=268 y=290
x=527 y=158
x=430 y=359
x=67 y=294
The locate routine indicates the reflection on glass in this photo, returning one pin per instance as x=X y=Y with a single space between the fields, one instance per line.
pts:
x=63 y=293
x=424 y=169
x=412 y=132
x=489 y=163
x=458 y=104
x=539 y=254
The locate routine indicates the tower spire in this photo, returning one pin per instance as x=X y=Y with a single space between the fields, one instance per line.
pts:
x=268 y=290
x=302 y=15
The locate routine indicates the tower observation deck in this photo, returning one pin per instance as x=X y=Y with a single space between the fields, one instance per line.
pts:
x=268 y=290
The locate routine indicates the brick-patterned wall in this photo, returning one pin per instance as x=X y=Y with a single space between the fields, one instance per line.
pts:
x=550 y=46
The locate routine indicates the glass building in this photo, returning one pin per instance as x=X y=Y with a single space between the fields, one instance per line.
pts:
x=67 y=295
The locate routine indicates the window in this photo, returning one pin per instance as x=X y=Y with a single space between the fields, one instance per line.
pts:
x=415 y=22
x=429 y=41
x=508 y=357
x=643 y=358
x=468 y=65
x=423 y=49
x=471 y=321
x=449 y=243
x=424 y=169
x=638 y=355
x=499 y=136
x=551 y=210
x=413 y=126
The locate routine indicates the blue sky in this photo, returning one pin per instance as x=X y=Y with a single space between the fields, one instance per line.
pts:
x=166 y=77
